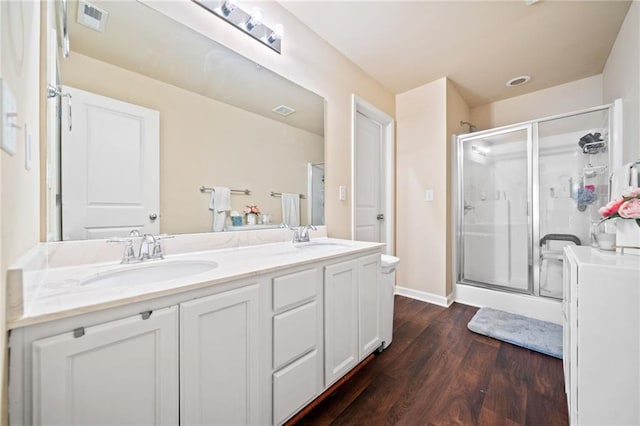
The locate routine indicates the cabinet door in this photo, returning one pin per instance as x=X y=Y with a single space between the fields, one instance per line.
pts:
x=123 y=372
x=294 y=386
x=219 y=358
x=341 y=319
x=369 y=292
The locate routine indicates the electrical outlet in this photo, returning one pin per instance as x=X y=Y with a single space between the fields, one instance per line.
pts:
x=428 y=195
x=9 y=115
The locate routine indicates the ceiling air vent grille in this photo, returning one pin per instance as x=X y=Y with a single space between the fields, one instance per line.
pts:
x=283 y=110
x=92 y=16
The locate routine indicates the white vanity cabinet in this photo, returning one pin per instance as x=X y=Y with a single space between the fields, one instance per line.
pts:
x=219 y=358
x=120 y=372
x=253 y=348
x=601 y=355
x=352 y=314
x=297 y=341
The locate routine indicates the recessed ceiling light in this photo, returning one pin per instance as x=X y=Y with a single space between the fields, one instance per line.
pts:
x=518 y=81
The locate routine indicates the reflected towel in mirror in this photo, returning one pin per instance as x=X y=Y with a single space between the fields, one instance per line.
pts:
x=220 y=204
x=291 y=209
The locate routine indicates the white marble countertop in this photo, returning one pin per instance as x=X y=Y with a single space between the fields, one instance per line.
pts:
x=59 y=292
x=589 y=255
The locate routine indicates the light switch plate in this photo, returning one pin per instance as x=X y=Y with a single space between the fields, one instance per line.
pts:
x=428 y=195
x=9 y=114
x=342 y=193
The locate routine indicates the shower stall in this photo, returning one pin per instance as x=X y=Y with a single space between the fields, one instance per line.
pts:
x=523 y=192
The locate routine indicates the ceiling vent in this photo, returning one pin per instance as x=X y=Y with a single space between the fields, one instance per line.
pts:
x=283 y=110
x=518 y=81
x=92 y=16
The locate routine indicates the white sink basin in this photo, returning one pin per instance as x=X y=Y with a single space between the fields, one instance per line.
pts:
x=142 y=274
x=321 y=245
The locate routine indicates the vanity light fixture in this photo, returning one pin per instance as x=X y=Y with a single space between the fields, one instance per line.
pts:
x=228 y=6
x=254 y=20
x=249 y=23
x=277 y=34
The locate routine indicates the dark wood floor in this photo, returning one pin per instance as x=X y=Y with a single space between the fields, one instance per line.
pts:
x=437 y=372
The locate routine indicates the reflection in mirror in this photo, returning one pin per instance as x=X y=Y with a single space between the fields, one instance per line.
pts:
x=159 y=110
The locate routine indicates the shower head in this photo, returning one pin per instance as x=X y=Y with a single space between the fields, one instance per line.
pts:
x=472 y=127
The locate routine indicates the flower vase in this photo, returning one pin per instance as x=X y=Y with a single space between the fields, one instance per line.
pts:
x=252 y=218
x=628 y=236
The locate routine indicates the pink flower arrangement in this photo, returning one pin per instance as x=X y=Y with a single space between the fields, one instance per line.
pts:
x=251 y=208
x=626 y=207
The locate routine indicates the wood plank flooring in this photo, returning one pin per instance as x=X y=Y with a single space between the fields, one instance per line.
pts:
x=437 y=372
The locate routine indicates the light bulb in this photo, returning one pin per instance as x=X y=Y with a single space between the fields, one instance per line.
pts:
x=228 y=6
x=277 y=34
x=255 y=19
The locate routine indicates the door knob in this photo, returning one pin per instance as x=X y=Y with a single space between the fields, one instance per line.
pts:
x=153 y=216
x=380 y=216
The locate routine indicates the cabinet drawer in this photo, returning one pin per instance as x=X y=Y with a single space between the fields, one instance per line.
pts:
x=294 y=288
x=294 y=333
x=294 y=386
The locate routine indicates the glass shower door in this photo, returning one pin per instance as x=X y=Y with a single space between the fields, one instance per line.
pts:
x=573 y=177
x=494 y=220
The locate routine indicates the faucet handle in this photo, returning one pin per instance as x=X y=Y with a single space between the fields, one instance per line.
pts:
x=129 y=255
x=156 y=251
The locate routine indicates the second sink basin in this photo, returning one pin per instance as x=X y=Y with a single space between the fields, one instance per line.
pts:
x=321 y=245
x=141 y=274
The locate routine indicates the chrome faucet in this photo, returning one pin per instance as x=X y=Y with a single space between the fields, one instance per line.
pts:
x=301 y=233
x=150 y=247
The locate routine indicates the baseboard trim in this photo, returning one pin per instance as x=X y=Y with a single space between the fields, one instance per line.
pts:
x=425 y=296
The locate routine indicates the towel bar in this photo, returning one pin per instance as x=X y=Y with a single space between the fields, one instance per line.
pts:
x=237 y=191
x=279 y=194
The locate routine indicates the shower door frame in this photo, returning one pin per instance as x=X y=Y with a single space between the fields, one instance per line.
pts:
x=614 y=124
x=459 y=140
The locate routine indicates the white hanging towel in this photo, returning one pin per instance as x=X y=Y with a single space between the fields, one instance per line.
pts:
x=220 y=204
x=291 y=209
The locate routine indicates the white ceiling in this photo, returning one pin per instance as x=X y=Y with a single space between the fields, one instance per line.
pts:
x=478 y=44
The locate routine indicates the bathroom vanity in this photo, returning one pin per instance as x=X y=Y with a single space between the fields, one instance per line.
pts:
x=251 y=340
x=601 y=310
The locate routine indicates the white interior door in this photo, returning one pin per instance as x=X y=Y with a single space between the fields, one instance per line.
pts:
x=368 y=179
x=110 y=168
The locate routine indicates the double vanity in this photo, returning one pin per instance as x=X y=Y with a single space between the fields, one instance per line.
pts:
x=229 y=328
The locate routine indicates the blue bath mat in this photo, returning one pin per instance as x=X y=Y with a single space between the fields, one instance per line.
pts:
x=539 y=336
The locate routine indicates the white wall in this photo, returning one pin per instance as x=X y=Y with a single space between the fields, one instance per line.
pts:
x=457 y=110
x=621 y=79
x=20 y=189
x=421 y=164
x=579 y=94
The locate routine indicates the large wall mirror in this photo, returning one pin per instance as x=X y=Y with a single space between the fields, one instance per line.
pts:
x=158 y=111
